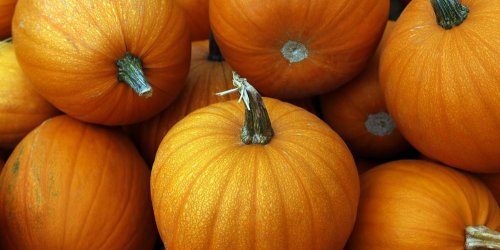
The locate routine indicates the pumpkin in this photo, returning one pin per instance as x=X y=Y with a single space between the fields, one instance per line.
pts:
x=414 y=204
x=105 y=62
x=493 y=183
x=439 y=74
x=6 y=12
x=21 y=108
x=358 y=113
x=71 y=185
x=223 y=182
x=296 y=49
x=208 y=75
x=196 y=12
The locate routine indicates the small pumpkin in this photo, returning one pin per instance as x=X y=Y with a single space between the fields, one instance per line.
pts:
x=250 y=185
x=105 y=62
x=493 y=183
x=21 y=108
x=6 y=12
x=75 y=186
x=357 y=111
x=414 y=204
x=196 y=12
x=439 y=74
x=296 y=49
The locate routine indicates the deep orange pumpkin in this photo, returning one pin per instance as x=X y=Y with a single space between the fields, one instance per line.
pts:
x=6 y=12
x=295 y=48
x=414 y=204
x=216 y=186
x=357 y=112
x=21 y=108
x=71 y=185
x=441 y=83
x=196 y=12
x=493 y=183
x=79 y=54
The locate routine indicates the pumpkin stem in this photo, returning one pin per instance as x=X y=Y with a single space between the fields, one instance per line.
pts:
x=130 y=71
x=449 y=13
x=214 y=53
x=481 y=237
x=294 y=51
x=257 y=127
x=380 y=124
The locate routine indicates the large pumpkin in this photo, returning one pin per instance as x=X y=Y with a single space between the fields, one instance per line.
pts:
x=106 y=62
x=6 y=12
x=296 y=48
x=492 y=181
x=21 y=108
x=70 y=185
x=196 y=12
x=440 y=77
x=357 y=112
x=414 y=204
x=217 y=186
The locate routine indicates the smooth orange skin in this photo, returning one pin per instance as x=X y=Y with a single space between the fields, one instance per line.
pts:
x=347 y=109
x=211 y=191
x=6 y=12
x=493 y=183
x=196 y=12
x=21 y=108
x=442 y=86
x=69 y=49
x=70 y=185
x=415 y=204
x=340 y=36
x=205 y=78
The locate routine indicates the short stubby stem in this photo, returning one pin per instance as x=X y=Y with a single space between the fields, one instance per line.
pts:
x=449 y=13
x=481 y=237
x=130 y=71
x=380 y=124
x=294 y=51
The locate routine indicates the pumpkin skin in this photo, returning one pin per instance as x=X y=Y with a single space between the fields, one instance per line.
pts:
x=70 y=50
x=443 y=68
x=420 y=205
x=88 y=189
x=297 y=192
x=357 y=112
x=21 y=108
x=196 y=12
x=252 y=34
x=493 y=183
x=6 y=12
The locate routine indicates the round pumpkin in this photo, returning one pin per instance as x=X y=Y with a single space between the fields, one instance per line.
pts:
x=222 y=181
x=21 y=108
x=196 y=12
x=71 y=185
x=105 y=62
x=295 y=49
x=357 y=112
x=415 y=204
x=493 y=183
x=6 y=12
x=440 y=81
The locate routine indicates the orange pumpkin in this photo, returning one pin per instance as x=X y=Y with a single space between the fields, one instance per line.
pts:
x=216 y=185
x=440 y=77
x=208 y=75
x=196 y=12
x=493 y=183
x=358 y=113
x=71 y=185
x=6 y=12
x=294 y=49
x=21 y=108
x=414 y=204
x=106 y=62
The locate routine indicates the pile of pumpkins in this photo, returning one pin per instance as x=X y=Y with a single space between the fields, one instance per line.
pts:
x=249 y=124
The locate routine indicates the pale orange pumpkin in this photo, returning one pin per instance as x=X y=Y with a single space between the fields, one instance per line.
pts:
x=21 y=108
x=6 y=12
x=216 y=185
x=440 y=76
x=196 y=12
x=106 y=62
x=415 y=204
x=71 y=185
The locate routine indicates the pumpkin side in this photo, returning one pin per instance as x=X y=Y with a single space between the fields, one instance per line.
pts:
x=7 y=8
x=196 y=12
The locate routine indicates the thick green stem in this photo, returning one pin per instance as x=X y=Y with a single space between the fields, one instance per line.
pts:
x=214 y=53
x=130 y=71
x=449 y=13
x=481 y=237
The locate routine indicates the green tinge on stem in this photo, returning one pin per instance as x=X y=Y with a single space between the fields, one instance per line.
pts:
x=449 y=13
x=481 y=237
x=130 y=71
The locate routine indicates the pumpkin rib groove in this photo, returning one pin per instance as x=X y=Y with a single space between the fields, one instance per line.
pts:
x=253 y=211
x=118 y=9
